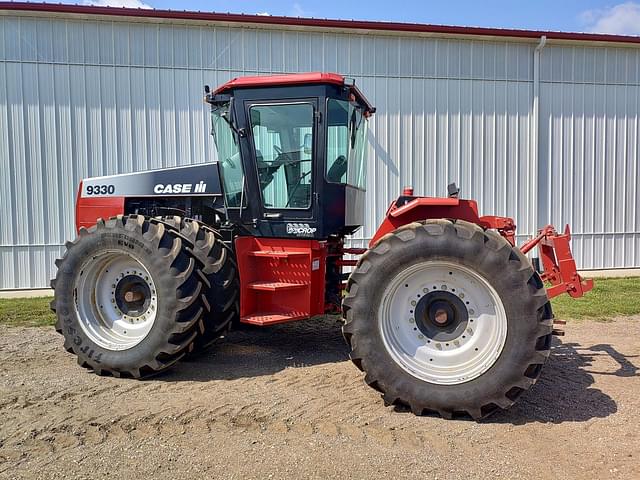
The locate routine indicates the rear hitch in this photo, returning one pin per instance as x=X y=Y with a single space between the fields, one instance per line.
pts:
x=559 y=267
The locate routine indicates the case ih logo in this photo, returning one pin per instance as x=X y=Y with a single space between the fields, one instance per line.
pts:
x=300 y=229
x=180 y=188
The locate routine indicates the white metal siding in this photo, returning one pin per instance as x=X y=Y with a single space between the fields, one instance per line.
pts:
x=589 y=151
x=82 y=98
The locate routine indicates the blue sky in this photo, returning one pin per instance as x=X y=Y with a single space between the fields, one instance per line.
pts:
x=568 y=15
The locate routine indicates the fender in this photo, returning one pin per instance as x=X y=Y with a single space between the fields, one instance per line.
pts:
x=407 y=209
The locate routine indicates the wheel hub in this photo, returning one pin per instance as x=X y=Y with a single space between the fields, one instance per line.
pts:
x=441 y=315
x=132 y=295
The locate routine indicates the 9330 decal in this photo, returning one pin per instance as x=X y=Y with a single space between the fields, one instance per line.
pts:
x=100 y=189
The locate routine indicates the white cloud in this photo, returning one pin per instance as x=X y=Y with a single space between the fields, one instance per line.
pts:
x=298 y=11
x=118 y=3
x=621 y=19
x=263 y=14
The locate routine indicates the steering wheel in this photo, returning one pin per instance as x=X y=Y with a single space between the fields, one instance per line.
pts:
x=283 y=157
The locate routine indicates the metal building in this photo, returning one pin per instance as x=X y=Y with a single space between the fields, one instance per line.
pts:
x=541 y=126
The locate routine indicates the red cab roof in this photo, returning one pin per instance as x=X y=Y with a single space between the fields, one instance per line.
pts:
x=281 y=80
x=292 y=79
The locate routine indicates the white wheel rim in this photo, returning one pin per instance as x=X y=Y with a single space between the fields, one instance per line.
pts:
x=465 y=356
x=100 y=292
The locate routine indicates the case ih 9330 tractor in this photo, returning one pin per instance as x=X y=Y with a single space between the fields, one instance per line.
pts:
x=443 y=312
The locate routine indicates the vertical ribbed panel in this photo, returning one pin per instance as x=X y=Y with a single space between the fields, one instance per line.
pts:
x=83 y=98
x=589 y=142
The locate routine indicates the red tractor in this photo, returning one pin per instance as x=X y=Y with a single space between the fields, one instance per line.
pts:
x=443 y=312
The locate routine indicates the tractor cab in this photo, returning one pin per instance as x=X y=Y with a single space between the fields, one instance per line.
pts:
x=291 y=153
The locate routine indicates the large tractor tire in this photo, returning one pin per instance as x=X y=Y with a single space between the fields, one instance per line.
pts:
x=446 y=317
x=219 y=275
x=128 y=297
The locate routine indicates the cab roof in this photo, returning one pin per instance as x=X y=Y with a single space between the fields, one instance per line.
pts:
x=292 y=80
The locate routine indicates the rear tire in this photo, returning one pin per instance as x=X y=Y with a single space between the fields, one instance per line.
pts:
x=128 y=298
x=404 y=291
x=219 y=274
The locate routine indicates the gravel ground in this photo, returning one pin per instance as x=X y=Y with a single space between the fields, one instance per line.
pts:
x=285 y=402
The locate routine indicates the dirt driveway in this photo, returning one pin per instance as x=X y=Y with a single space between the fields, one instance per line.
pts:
x=286 y=403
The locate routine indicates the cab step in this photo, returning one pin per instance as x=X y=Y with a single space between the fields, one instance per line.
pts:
x=277 y=254
x=272 y=318
x=273 y=286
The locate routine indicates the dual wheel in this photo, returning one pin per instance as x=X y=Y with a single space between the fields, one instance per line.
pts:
x=133 y=294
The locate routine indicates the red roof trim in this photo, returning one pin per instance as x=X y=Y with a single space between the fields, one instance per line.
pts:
x=313 y=22
x=277 y=80
x=291 y=79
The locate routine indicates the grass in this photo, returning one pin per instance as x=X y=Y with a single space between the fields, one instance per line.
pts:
x=26 y=312
x=611 y=297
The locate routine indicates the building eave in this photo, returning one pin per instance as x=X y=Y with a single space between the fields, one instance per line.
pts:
x=319 y=24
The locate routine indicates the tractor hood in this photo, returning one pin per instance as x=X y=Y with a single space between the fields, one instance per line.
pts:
x=193 y=180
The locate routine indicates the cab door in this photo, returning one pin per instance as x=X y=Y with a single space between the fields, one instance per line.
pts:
x=283 y=140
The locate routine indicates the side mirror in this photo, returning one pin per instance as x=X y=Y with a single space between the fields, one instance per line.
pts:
x=308 y=144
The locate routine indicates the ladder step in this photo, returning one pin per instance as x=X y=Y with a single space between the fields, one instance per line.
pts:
x=273 y=286
x=271 y=318
x=277 y=254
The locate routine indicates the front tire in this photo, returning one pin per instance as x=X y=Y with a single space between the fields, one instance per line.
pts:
x=128 y=297
x=446 y=317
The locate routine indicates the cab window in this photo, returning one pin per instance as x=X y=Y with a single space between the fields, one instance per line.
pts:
x=346 y=143
x=283 y=142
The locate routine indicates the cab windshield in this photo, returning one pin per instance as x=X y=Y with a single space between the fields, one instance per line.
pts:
x=229 y=159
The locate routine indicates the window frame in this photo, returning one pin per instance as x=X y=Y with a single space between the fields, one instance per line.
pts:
x=314 y=134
